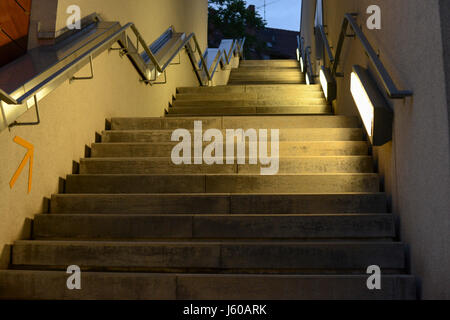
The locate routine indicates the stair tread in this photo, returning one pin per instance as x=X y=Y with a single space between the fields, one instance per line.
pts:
x=108 y=285
x=234 y=227
x=227 y=194
x=278 y=243
x=245 y=255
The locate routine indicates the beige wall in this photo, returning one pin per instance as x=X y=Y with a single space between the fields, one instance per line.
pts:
x=74 y=112
x=152 y=17
x=415 y=166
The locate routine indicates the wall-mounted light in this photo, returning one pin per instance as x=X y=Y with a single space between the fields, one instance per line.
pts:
x=300 y=60
x=328 y=84
x=308 y=82
x=375 y=113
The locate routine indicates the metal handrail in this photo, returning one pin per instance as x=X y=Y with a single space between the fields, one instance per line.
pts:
x=309 y=69
x=81 y=60
x=7 y=98
x=221 y=56
x=301 y=46
x=241 y=47
x=326 y=43
x=218 y=59
x=162 y=67
x=391 y=89
x=147 y=65
x=228 y=49
x=305 y=53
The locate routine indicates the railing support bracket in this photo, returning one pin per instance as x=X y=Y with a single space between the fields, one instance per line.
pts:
x=86 y=78
x=178 y=62
x=163 y=82
x=38 y=119
x=122 y=51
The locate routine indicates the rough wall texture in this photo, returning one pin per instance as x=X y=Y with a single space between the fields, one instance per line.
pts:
x=74 y=112
x=415 y=165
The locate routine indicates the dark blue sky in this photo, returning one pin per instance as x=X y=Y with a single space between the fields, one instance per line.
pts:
x=281 y=14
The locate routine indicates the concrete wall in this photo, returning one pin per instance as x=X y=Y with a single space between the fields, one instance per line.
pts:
x=445 y=27
x=415 y=165
x=74 y=112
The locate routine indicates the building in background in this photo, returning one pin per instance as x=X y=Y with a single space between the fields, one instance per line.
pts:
x=279 y=44
x=270 y=43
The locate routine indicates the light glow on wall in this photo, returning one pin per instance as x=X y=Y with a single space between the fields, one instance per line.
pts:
x=362 y=100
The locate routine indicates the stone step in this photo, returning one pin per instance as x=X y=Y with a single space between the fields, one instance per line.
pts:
x=265 y=81
x=51 y=285
x=286 y=149
x=346 y=164
x=307 y=134
x=212 y=96
x=171 y=183
x=220 y=203
x=273 y=74
x=238 y=111
x=248 y=256
x=273 y=63
x=294 y=66
x=267 y=73
x=244 y=122
x=269 y=68
x=149 y=166
x=294 y=89
x=250 y=103
x=232 y=227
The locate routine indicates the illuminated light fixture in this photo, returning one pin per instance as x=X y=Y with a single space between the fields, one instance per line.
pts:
x=308 y=82
x=298 y=54
x=375 y=113
x=302 y=65
x=328 y=84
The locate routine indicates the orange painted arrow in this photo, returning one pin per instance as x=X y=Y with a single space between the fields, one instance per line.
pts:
x=29 y=155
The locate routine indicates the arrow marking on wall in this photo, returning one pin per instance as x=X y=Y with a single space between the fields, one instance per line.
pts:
x=28 y=156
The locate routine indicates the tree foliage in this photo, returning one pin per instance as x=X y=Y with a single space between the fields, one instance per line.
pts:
x=231 y=19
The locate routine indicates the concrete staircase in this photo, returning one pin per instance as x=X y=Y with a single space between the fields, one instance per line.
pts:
x=141 y=227
x=262 y=72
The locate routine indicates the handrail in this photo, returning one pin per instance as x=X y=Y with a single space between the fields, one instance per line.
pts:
x=218 y=59
x=301 y=47
x=392 y=91
x=305 y=53
x=309 y=69
x=228 y=46
x=197 y=46
x=76 y=62
x=146 y=64
x=326 y=43
x=224 y=54
x=7 y=98
x=148 y=55
x=222 y=57
x=241 y=47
